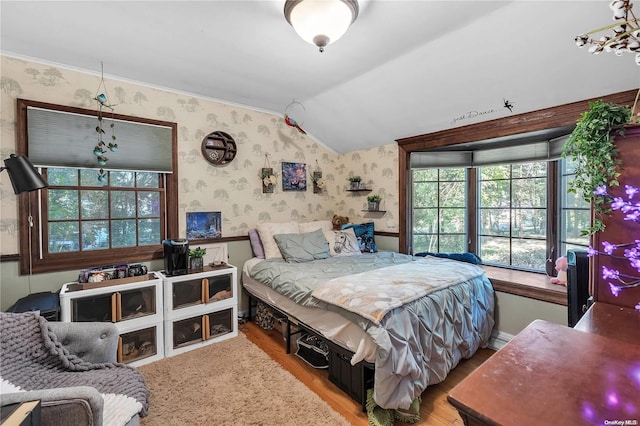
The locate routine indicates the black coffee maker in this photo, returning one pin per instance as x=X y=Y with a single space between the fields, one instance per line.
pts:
x=176 y=256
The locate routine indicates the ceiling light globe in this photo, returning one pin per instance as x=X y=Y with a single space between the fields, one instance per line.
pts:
x=321 y=22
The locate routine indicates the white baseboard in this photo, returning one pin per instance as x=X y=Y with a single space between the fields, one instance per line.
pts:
x=498 y=339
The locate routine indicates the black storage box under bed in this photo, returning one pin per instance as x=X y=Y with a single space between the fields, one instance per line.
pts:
x=353 y=379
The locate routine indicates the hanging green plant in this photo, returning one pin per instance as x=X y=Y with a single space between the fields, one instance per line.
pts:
x=591 y=147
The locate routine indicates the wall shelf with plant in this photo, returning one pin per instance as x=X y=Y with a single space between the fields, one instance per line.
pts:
x=373 y=202
x=356 y=184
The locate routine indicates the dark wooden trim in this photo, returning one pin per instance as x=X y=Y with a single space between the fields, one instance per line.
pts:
x=548 y=118
x=24 y=103
x=404 y=185
x=472 y=208
x=386 y=234
x=526 y=284
x=9 y=258
x=219 y=240
x=553 y=205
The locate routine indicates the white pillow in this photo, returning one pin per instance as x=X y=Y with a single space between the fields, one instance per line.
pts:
x=342 y=243
x=325 y=225
x=268 y=230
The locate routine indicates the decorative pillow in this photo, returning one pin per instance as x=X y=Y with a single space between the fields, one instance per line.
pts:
x=303 y=247
x=364 y=233
x=312 y=226
x=268 y=230
x=342 y=242
x=256 y=244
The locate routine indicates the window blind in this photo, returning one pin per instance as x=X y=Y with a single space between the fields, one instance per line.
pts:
x=64 y=139
x=480 y=154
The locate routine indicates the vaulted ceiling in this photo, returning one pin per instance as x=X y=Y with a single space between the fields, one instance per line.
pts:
x=404 y=68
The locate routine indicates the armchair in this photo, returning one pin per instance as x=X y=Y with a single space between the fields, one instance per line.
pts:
x=79 y=405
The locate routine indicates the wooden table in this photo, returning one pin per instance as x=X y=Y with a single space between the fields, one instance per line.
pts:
x=550 y=374
x=613 y=321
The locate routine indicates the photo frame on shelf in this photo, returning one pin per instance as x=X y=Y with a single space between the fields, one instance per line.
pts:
x=294 y=176
x=204 y=225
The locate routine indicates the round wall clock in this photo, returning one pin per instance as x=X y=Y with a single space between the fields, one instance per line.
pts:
x=219 y=148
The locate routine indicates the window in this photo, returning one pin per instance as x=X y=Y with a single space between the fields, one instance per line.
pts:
x=80 y=221
x=83 y=214
x=439 y=210
x=575 y=213
x=518 y=211
x=512 y=211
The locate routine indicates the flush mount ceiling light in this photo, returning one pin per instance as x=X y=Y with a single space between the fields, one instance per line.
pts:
x=321 y=22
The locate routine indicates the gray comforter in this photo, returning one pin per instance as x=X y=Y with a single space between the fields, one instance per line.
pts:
x=418 y=342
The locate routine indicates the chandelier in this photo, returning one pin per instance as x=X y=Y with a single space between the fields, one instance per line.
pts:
x=321 y=22
x=625 y=36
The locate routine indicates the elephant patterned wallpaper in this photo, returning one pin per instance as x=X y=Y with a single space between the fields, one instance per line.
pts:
x=234 y=189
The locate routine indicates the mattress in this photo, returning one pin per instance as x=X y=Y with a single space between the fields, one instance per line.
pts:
x=331 y=325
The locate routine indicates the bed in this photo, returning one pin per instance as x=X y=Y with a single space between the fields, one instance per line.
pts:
x=414 y=318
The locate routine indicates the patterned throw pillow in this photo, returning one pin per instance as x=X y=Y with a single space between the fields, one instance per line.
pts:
x=365 y=236
x=342 y=243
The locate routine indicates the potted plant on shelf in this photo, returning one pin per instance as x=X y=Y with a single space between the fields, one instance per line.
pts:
x=354 y=182
x=374 y=202
x=196 y=261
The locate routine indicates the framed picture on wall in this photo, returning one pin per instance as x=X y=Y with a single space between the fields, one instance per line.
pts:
x=204 y=225
x=294 y=176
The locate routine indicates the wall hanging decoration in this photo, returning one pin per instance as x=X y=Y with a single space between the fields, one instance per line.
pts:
x=267 y=177
x=102 y=102
x=294 y=176
x=318 y=181
x=297 y=110
x=204 y=225
x=219 y=148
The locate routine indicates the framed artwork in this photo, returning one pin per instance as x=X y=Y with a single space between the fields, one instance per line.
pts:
x=204 y=225
x=294 y=176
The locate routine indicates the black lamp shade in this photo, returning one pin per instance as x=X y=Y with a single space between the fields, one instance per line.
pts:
x=23 y=175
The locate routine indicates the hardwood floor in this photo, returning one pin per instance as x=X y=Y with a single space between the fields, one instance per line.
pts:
x=434 y=411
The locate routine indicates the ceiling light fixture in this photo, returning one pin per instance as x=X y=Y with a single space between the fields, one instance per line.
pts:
x=321 y=22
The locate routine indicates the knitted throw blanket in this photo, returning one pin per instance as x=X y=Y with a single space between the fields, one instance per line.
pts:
x=33 y=359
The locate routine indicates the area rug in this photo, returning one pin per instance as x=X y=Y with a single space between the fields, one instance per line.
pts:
x=232 y=382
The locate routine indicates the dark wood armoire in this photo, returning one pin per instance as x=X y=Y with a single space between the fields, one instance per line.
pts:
x=618 y=230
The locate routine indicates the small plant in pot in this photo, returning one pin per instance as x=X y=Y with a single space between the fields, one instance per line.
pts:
x=196 y=255
x=354 y=182
x=592 y=149
x=374 y=202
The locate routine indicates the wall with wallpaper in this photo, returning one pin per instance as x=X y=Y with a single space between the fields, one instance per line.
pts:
x=235 y=189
